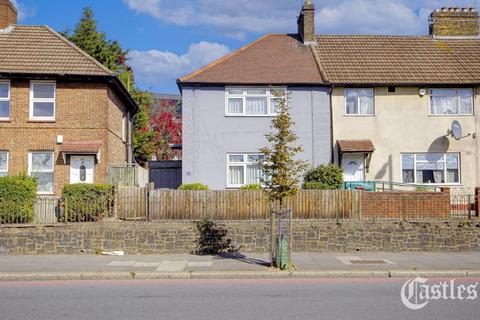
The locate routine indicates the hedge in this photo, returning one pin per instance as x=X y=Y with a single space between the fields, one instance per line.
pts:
x=17 y=199
x=87 y=202
x=251 y=187
x=193 y=186
x=324 y=177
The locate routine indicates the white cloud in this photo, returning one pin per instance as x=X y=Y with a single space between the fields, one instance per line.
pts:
x=238 y=18
x=153 y=66
x=23 y=10
x=231 y=18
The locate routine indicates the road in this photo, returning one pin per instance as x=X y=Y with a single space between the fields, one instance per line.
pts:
x=221 y=299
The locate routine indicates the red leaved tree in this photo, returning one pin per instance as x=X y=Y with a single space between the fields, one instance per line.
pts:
x=168 y=130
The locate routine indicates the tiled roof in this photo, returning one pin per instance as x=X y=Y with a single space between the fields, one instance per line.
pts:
x=398 y=60
x=81 y=147
x=40 y=50
x=272 y=59
x=356 y=146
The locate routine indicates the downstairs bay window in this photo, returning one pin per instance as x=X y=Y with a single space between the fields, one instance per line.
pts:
x=243 y=169
x=431 y=168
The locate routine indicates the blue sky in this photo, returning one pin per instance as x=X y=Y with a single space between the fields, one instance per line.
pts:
x=170 y=38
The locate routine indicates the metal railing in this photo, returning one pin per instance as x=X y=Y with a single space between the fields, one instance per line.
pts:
x=388 y=186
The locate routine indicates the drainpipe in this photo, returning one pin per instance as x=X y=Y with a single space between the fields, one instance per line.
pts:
x=332 y=157
x=129 y=140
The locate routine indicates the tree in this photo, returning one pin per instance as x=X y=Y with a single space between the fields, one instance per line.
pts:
x=111 y=54
x=281 y=170
x=168 y=129
x=89 y=39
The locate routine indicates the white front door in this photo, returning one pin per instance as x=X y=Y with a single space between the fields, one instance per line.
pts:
x=81 y=169
x=353 y=167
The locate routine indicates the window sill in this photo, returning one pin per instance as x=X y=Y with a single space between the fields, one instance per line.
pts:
x=7 y=120
x=450 y=115
x=359 y=115
x=41 y=121
x=250 y=115
x=45 y=193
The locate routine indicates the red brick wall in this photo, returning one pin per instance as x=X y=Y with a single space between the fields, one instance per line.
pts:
x=83 y=112
x=8 y=14
x=406 y=204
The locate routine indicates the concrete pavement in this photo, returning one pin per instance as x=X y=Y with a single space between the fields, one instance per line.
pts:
x=185 y=266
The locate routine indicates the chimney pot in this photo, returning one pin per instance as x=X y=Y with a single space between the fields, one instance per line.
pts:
x=306 y=23
x=454 y=22
x=8 y=14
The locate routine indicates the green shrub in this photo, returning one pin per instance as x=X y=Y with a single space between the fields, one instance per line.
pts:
x=17 y=198
x=254 y=186
x=313 y=185
x=325 y=177
x=87 y=202
x=193 y=186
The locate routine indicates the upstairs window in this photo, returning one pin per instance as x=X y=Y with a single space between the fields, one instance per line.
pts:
x=451 y=101
x=251 y=102
x=3 y=163
x=243 y=169
x=431 y=168
x=4 y=100
x=42 y=101
x=359 y=101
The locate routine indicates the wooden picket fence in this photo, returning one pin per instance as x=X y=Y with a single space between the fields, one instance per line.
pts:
x=143 y=204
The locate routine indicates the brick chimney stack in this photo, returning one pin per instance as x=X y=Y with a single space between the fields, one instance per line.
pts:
x=454 y=22
x=8 y=14
x=306 y=23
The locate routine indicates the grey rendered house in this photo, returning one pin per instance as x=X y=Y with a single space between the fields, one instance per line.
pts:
x=228 y=108
x=378 y=106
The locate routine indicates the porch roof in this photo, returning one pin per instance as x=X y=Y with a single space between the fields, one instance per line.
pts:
x=346 y=146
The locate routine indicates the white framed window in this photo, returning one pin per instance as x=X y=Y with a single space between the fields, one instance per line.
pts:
x=42 y=100
x=451 y=101
x=4 y=100
x=256 y=102
x=3 y=163
x=359 y=102
x=431 y=168
x=41 y=165
x=243 y=169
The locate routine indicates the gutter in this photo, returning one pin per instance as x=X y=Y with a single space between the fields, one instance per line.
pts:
x=109 y=79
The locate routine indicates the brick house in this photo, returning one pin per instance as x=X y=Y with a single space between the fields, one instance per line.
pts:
x=64 y=117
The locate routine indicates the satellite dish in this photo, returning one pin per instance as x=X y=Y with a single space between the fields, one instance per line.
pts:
x=456 y=130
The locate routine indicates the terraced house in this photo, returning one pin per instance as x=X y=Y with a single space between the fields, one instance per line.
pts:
x=379 y=106
x=63 y=116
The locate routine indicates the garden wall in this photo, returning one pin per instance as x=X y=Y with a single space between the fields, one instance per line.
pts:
x=247 y=236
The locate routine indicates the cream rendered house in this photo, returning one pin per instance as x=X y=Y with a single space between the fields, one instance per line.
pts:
x=394 y=99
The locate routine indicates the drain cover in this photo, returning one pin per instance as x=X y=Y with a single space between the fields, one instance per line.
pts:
x=367 y=261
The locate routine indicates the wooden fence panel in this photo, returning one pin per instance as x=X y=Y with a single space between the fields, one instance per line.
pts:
x=131 y=203
x=250 y=204
x=46 y=210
